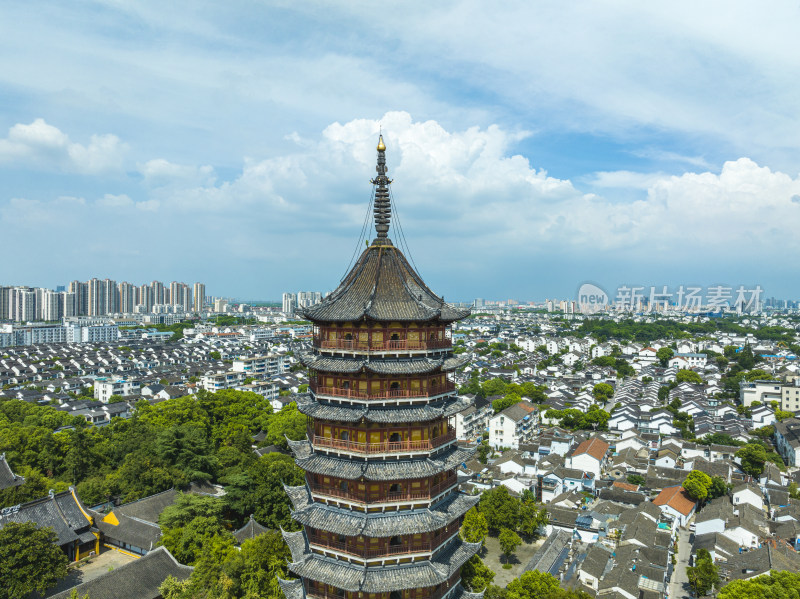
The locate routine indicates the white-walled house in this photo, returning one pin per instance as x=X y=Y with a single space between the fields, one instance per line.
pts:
x=589 y=456
x=512 y=426
x=747 y=493
x=675 y=503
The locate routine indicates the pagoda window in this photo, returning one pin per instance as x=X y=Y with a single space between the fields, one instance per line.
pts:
x=395 y=438
x=345 y=384
x=345 y=435
x=395 y=595
x=395 y=542
x=395 y=385
x=396 y=488
x=395 y=337
x=343 y=486
x=348 y=336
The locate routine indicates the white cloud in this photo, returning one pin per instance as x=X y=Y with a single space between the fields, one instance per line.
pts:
x=162 y=173
x=466 y=201
x=40 y=145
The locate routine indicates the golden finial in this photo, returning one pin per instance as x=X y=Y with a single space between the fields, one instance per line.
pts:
x=381 y=145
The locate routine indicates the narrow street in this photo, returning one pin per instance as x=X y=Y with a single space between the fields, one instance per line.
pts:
x=679 y=585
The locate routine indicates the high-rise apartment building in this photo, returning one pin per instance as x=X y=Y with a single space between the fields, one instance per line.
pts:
x=199 y=297
x=289 y=304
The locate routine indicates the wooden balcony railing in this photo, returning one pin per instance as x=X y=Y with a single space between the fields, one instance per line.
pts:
x=317 y=593
x=448 y=387
x=397 y=497
x=381 y=447
x=398 y=344
x=350 y=547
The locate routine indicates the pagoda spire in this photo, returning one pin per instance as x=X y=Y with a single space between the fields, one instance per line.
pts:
x=383 y=207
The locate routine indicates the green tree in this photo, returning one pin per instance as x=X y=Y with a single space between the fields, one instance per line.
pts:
x=30 y=560
x=500 y=508
x=746 y=359
x=688 y=376
x=259 y=491
x=255 y=568
x=602 y=391
x=188 y=506
x=494 y=386
x=484 y=451
x=475 y=575
x=718 y=488
x=704 y=575
x=188 y=543
x=636 y=479
x=474 y=528
x=794 y=493
x=697 y=485
x=500 y=404
x=753 y=458
x=188 y=448
x=215 y=355
x=764 y=432
x=531 y=517
x=509 y=541
x=781 y=415
x=775 y=585
x=533 y=585
x=664 y=355
x=288 y=422
x=116 y=399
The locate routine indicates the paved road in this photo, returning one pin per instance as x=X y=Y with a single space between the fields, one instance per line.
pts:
x=679 y=585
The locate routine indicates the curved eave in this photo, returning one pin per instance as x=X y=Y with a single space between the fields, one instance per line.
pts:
x=382 y=286
x=388 y=366
x=379 y=470
x=354 y=578
x=292 y=589
x=379 y=525
x=355 y=413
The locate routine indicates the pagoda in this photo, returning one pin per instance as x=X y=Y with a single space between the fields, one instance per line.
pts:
x=380 y=509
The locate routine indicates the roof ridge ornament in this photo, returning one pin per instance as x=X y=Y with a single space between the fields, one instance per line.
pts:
x=383 y=208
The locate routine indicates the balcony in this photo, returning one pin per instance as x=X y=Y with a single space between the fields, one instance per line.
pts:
x=400 y=497
x=383 y=346
x=381 y=447
x=318 y=591
x=350 y=547
x=448 y=387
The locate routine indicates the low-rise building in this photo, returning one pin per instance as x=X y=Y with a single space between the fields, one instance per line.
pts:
x=676 y=504
x=512 y=426
x=787 y=440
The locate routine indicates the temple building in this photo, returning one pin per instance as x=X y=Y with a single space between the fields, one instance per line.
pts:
x=380 y=509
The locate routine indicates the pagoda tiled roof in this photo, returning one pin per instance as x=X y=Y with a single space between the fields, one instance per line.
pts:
x=139 y=579
x=355 y=578
x=344 y=413
x=350 y=523
x=292 y=589
x=63 y=512
x=418 y=365
x=383 y=286
x=349 y=469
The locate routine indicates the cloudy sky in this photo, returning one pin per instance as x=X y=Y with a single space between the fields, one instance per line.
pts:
x=533 y=145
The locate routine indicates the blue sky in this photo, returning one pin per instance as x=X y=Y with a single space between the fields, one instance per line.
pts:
x=534 y=146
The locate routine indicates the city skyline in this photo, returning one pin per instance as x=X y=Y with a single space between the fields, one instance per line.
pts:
x=548 y=169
